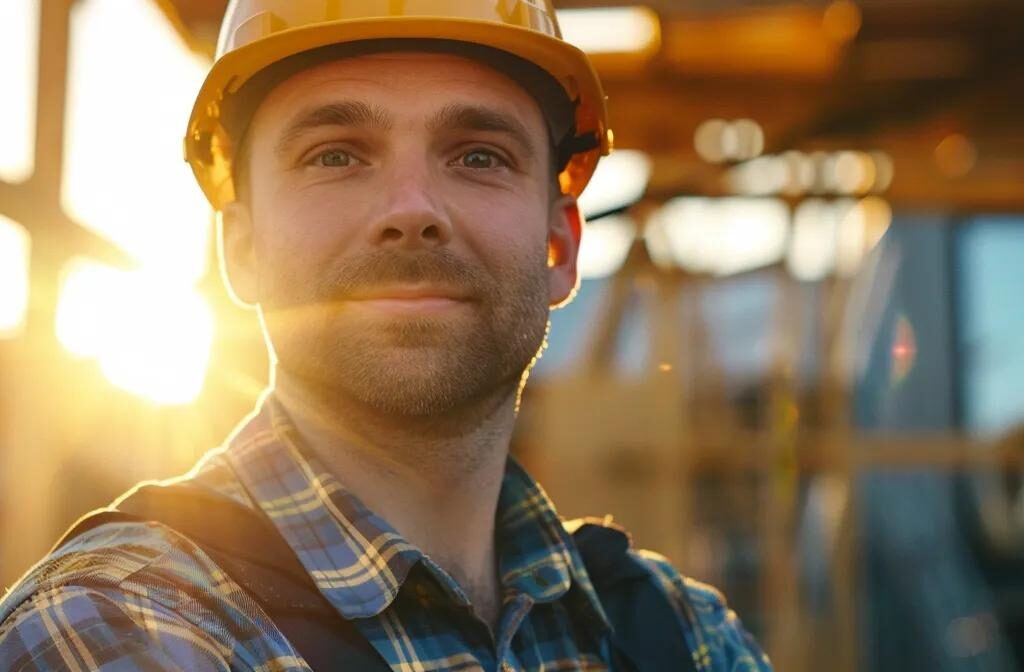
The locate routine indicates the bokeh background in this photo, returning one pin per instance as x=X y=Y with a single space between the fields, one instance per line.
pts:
x=795 y=364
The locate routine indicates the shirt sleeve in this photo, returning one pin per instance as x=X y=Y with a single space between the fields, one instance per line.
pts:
x=79 y=629
x=720 y=642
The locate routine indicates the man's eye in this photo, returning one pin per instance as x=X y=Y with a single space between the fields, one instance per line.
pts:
x=333 y=158
x=481 y=159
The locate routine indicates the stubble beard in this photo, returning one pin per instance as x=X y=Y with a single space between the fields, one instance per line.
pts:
x=422 y=368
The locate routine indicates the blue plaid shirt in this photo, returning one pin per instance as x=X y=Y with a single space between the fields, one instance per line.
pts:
x=141 y=597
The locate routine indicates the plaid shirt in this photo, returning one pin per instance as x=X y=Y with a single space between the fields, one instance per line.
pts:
x=139 y=596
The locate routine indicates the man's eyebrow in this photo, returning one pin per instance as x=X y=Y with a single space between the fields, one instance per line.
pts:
x=343 y=113
x=480 y=118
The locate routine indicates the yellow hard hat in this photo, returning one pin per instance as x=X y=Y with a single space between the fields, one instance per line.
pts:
x=257 y=34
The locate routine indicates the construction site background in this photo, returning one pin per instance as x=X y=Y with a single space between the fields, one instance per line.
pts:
x=794 y=364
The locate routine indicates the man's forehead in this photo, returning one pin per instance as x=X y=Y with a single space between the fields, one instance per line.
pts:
x=399 y=74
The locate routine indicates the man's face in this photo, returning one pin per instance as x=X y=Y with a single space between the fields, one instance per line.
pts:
x=398 y=228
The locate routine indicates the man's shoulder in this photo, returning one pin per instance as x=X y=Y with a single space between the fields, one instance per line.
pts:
x=106 y=557
x=146 y=559
x=720 y=641
x=114 y=595
x=131 y=594
x=714 y=633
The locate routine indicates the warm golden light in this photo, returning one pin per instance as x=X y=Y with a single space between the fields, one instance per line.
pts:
x=760 y=177
x=717 y=140
x=14 y=276
x=19 y=30
x=150 y=336
x=835 y=236
x=814 y=245
x=604 y=247
x=620 y=180
x=611 y=30
x=956 y=155
x=842 y=20
x=854 y=172
x=130 y=90
x=131 y=85
x=719 y=236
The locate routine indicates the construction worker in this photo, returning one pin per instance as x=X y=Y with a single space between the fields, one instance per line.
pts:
x=397 y=184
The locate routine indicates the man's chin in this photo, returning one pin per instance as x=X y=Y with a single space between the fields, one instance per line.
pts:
x=409 y=378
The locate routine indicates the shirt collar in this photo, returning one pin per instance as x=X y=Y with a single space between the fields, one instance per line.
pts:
x=357 y=560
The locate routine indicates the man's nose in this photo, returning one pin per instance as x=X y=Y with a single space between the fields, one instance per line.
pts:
x=411 y=215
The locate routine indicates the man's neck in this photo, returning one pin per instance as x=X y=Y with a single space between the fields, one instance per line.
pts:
x=435 y=480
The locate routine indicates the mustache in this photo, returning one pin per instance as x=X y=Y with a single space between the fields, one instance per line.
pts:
x=377 y=268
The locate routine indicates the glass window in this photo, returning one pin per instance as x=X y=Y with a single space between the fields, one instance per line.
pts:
x=991 y=282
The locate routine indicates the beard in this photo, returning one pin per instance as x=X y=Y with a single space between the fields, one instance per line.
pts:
x=410 y=365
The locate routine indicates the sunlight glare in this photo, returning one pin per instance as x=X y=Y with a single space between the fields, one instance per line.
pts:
x=721 y=236
x=611 y=30
x=815 y=244
x=15 y=245
x=151 y=337
x=620 y=180
x=131 y=83
x=604 y=246
x=19 y=35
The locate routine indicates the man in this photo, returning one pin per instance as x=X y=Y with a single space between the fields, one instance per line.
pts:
x=397 y=190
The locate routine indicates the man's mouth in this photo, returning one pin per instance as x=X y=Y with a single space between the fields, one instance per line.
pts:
x=410 y=298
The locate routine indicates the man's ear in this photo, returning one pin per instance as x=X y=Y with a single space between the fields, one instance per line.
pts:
x=564 y=232
x=238 y=253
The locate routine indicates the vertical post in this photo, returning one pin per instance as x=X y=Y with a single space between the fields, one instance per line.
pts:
x=32 y=444
x=778 y=469
x=44 y=187
x=836 y=414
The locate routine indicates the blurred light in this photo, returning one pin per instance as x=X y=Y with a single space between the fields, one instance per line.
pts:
x=611 y=30
x=707 y=140
x=620 y=180
x=124 y=177
x=824 y=172
x=150 y=337
x=759 y=177
x=719 y=236
x=861 y=225
x=842 y=20
x=19 y=37
x=795 y=173
x=716 y=140
x=729 y=142
x=604 y=246
x=956 y=155
x=885 y=170
x=813 y=248
x=850 y=237
x=86 y=306
x=854 y=172
x=800 y=172
x=877 y=214
x=15 y=246
x=904 y=350
x=835 y=236
x=750 y=139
